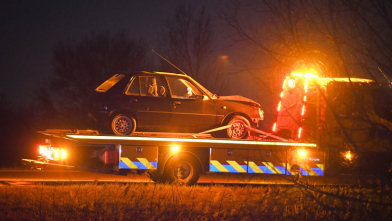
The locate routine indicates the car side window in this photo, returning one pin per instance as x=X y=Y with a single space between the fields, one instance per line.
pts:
x=152 y=86
x=133 y=89
x=182 y=88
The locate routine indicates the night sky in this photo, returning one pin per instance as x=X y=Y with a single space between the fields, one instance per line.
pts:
x=29 y=30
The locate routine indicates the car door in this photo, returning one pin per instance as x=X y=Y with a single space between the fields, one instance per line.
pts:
x=146 y=96
x=193 y=111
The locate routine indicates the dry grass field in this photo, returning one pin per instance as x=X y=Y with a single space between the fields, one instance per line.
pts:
x=213 y=202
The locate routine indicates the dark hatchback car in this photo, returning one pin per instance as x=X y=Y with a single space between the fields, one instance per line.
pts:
x=166 y=102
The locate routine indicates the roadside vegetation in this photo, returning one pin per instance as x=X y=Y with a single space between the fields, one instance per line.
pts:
x=213 y=202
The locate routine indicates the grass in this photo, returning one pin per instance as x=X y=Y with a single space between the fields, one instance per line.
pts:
x=213 y=202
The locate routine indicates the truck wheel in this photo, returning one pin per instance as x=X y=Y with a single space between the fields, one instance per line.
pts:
x=182 y=170
x=238 y=129
x=123 y=125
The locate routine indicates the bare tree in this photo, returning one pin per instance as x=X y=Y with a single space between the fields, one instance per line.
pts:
x=344 y=38
x=80 y=66
x=189 y=42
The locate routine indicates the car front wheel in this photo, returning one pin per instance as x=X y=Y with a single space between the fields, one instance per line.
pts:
x=123 y=125
x=238 y=129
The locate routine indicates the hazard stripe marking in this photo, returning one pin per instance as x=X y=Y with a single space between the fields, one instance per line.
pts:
x=273 y=169
x=146 y=163
x=319 y=170
x=321 y=166
x=219 y=166
x=236 y=166
x=288 y=167
x=307 y=168
x=268 y=168
x=254 y=167
x=128 y=163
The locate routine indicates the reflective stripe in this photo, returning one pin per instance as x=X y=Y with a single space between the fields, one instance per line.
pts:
x=141 y=164
x=321 y=166
x=207 y=141
x=267 y=168
x=288 y=167
x=254 y=167
x=236 y=166
x=273 y=169
x=128 y=163
x=307 y=168
x=147 y=164
x=219 y=166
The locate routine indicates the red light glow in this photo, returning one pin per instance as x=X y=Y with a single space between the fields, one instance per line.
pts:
x=306 y=87
x=299 y=132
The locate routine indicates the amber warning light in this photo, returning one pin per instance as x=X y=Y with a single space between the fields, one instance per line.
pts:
x=301 y=153
x=51 y=153
x=175 y=148
x=348 y=156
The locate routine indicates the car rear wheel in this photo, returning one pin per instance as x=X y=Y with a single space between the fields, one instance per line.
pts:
x=123 y=125
x=238 y=129
x=182 y=170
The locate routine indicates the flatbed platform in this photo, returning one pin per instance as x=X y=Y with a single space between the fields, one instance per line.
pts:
x=169 y=139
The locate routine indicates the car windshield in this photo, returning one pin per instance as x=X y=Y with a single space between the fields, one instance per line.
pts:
x=205 y=90
x=105 y=86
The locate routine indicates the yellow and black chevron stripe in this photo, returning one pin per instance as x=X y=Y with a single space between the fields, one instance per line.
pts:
x=265 y=168
x=140 y=164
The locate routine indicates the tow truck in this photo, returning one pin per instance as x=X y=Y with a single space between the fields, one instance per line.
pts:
x=182 y=158
x=295 y=147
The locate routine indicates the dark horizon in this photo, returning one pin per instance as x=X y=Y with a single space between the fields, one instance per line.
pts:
x=31 y=29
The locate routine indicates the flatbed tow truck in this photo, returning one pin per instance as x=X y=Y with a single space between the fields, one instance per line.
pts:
x=291 y=150
x=179 y=157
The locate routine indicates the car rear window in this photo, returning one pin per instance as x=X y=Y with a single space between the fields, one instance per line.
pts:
x=105 y=86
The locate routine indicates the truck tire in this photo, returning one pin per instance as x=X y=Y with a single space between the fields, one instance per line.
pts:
x=238 y=130
x=123 y=125
x=183 y=170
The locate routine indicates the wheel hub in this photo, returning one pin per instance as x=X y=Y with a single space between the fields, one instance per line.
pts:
x=122 y=126
x=237 y=129
x=182 y=170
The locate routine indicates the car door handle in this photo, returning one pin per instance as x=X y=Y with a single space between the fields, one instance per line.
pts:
x=135 y=100
x=176 y=103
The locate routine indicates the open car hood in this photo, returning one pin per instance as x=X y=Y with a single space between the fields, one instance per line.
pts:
x=239 y=99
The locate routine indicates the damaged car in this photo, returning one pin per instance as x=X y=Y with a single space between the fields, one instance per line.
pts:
x=167 y=102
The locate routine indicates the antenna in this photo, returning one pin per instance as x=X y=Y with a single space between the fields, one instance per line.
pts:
x=168 y=62
x=384 y=75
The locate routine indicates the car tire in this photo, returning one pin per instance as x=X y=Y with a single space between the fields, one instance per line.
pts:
x=238 y=129
x=123 y=125
x=182 y=170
